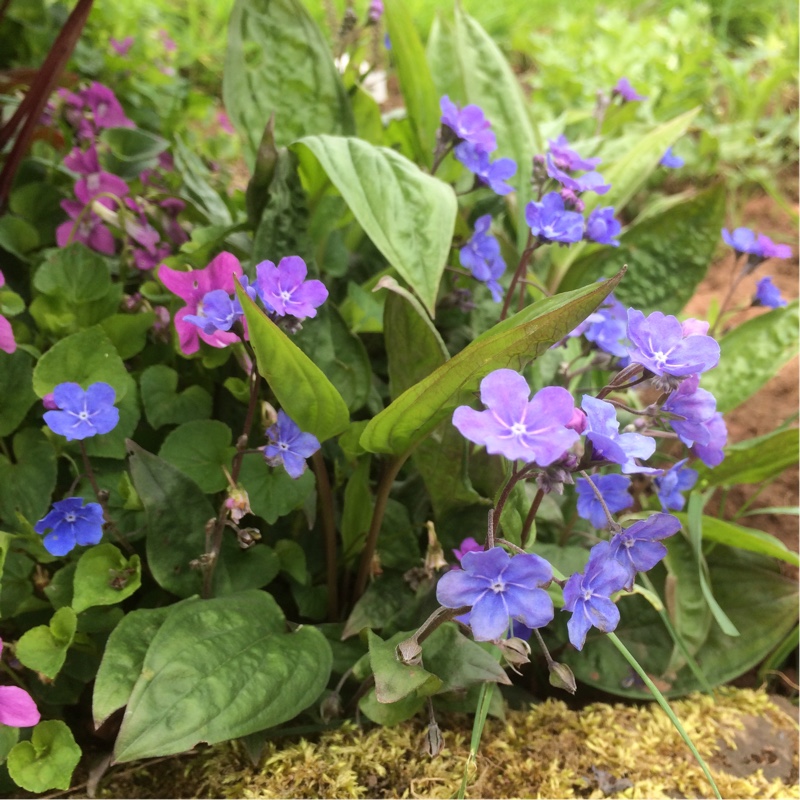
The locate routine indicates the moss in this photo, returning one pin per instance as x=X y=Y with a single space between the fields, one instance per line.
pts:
x=547 y=751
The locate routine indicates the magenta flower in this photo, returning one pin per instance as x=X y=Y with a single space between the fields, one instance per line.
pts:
x=106 y=109
x=534 y=430
x=624 y=90
x=7 y=342
x=121 y=46
x=285 y=290
x=469 y=545
x=17 y=708
x=191 y=287
x=90 y=230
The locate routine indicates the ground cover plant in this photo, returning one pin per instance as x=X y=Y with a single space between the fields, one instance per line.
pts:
x=413 y=405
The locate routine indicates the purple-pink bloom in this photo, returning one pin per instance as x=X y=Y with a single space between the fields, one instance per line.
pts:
x=588 y=182
x=615 y=494
x=608 y=444
x=90 y=230
x=468 y=124
x=481 y=256
x=696 y=408
x=658 y=344
x=469 y=545
x=492 y=173
x=711 y=453
x=290 y=446
x=97 y=183
x=603 y=227
x=587 y=595
x=224 y=122
x=565 y=157
x=72 y=523
x=192 y=287
x=82 y=414
x=550 y=221
x=8 y=343
x=624 y=89
x=770 y=249
x=499 y=588
x=106 y=109
x=534 y=430
x=121 y=46
x=670 y=160
x=17 y=707
x=285 y=290
x=678 y=478
x=638 y=549
x=375 y=11
x=768 y=294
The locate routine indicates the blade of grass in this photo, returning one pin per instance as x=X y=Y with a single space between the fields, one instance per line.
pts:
x=481 y=712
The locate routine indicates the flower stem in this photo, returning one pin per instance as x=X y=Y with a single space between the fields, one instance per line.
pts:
x=522 y=268
x=329 y=530
x=615 y=526
x=526 y=527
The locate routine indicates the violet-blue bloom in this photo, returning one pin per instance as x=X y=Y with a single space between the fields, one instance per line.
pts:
x=608 y=328
x=638 y=549
x=481 y=256
x=217 y=311
x=468 y=124
x=588 y=182
x=678 y=478
x=770 y=249
x=499 y=588
x=72 y=523
x=288 y=445
x=518 y=428
x=492 y=173
x=82 y=414
x=614 y=490
x=608 y=444
x=565 y=157
x=711 y=453
x=285 y=289
x=469 y=545
x=670 y=160
x=743 y=240
x=624 y=89
x=658 y=344
x=602 y=227
x=696 y=406
x=587 y=595
x=549 y=220
x=768 y=294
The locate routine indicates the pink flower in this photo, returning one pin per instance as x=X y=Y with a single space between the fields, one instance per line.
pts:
x=224 y=122
x=17 y=708
x=7 y=341
x=121 y=46
x=91 y=230
x=191 y=287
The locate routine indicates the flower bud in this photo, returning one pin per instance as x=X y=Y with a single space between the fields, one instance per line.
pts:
x=237 y=503
x=515 y=651
x=434 y=555
x=578 y=421
x=247 y=537
x=48 y=401
x=409 y=652
x=433 y=743
x=331 y=707
x=561 y=677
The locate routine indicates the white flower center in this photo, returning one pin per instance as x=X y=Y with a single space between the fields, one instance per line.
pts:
x=71 y=517
x=498 y=586
x=519 y=429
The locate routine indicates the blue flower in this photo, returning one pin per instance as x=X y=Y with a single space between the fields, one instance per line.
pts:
x=492 y=173
x=696 y=407
x=289 y=445
x=670 y=160
x=608 y=444
x=587 y=595
x=499 y=587
x=743 y=240
x=72 y=523
x=678 y=478
x=565 y=157
x=82 y=414
x=767 y=294
x=468 y=124
x=549 y=220
x=588 y=182
x=711 y=452
x=602 y=227
x=217 y=311
x=613 y=488
x=638 y=549
x=624 y=90
x=481 y=256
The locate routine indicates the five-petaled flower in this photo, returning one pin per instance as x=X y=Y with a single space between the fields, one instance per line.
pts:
x=499 y=588
x=17 y=707
x=82 y=414
x=711 y=453
x=669 y=486
x=534 y=430
x=290 y=446
x=549 y=220
x=695 y=408
x=468 y=124
x=638 y=549
x=285 y=290
x=614 y=491
x=72 y=523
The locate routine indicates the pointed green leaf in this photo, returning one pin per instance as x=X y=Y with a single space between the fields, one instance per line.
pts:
x=44 y=648
x=513 y=342
x=27 y=482
x=301 y=388
x=408 y=215
x=16 y=389
x=105 y=577
x=47 y=761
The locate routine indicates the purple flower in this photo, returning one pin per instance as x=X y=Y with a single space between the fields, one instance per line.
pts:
x=608 y=328
x=588 y=182
x=613 y=488
x=696 y=407
x=468 y=124
x=770 y=249
x=624 y=89
x=516 y=427
x=637 y=548
x=217 y=311
x=492 y=173
x=375 y=11
x=550 y=221
x=767 y=294
x=8 y=343
x=105 y=108
x=602 y=227
x=587 y=595
x=469 y=545
x=289 y=445
x=670 y=160
x=499 y=587
x=481 y=256
x=678 y=478
x=711 y=453
x=743 y=240
x=72 y=523
x=565 y=157
x=17 y=708
x=658 y=344
x=285 y=290
x=82 y=414
x=608 y=444
x=121 y=46
x=85 y=227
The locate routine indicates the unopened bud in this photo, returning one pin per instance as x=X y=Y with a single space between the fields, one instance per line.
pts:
x=331 y=707
x=434 y=555
x=238 y=503
x=247 y=537
x=433 y=743
x=409 y=652
x=515 y=651
x=561 y=677
x=269 y=415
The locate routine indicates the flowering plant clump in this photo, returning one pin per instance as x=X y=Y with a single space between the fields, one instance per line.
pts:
x=417 y=410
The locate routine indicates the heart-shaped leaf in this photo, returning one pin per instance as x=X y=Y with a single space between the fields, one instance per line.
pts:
x=44 y=648
x=163 y=405
x=105 y=577
x=201 y=449
x=27 y=483
x=47 y=761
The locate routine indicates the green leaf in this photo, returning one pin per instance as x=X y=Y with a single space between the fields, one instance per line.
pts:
x=201 y=682
x=123 y=658
x=239 y=570
x=416 y=83
x=27 y=483
x=357 y=511
x=47 y=761
x=751 y=354
x=9 y=736
x=408 y=215
x=176 y=511
x=105 y=577
x=201 y=450
x=381 y=603
x=273 y=493
x=667 y=255
x=394 y=680
x=74 y=273
x=513 y=342
x=16 y=389
x=44 y=648
x=129 y=151
x=164 y=405
x=128 y=332
x=278 y=62
x=112 y=444
x=292 y=559
x=17 y=236
x=197 y=189
x=302 y=389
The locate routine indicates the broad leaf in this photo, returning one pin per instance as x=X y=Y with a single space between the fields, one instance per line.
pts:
x=44 y=648
x=105 y=577
x=74 y=273
x=394 y=680
x=164 y=405
x=47 y=761
x=273 y=492
x=201 y=450
x=27 y=482
x=16 y=389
